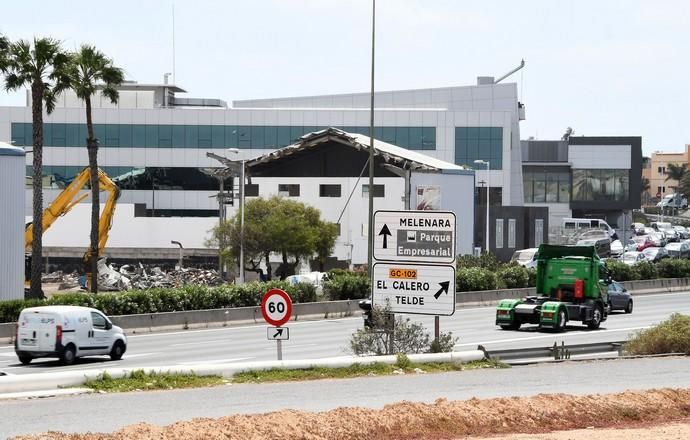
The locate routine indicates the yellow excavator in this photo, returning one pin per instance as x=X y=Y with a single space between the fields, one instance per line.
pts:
x=64 y=202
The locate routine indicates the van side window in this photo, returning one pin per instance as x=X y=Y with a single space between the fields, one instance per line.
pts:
x=569 y=225
x=98 y=320
x=594 y=223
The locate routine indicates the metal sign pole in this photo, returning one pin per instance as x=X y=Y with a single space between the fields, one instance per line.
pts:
x=437 y=329
x=280 y=349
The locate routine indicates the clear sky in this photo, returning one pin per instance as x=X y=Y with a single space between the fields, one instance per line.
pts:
x=603 y=67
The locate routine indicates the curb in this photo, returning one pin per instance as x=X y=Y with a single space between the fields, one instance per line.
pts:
x=46 y=393
x=43 y=381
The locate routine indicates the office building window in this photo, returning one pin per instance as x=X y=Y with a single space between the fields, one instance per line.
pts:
x=379 y=190
x=483 y=143
x=512 y=224
x=291 y=190
x=661 y=170
x=251 y=190
x=208 y=136
x=601 y=185
x=499 y=233
x=329 y=190
x=546 y=186
x=538 y=232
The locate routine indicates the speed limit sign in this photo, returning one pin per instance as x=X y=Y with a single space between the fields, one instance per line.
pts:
x=276 y=306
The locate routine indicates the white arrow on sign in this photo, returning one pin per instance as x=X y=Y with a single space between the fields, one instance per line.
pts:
x=414 y=236
x=278 y=333
x=415 y=288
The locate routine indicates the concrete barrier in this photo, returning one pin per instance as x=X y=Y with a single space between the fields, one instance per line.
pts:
x=44 y=381
x=328 y=309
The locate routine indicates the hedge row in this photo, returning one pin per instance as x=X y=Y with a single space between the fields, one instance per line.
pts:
x=189 y=297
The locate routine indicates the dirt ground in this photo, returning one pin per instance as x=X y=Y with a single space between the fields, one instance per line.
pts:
x=647 y=412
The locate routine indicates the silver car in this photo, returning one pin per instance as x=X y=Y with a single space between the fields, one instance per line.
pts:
x=632 y=258
x=678 y=250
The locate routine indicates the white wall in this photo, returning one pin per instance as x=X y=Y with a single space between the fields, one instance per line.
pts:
x=600 y=156
x=11 y=227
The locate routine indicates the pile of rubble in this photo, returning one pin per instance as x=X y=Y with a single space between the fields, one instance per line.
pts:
x=65 y=281
x=127 y=277
x=138 y=277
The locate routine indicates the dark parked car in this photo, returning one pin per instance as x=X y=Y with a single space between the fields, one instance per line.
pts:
x=620 y=298
x=602 y=245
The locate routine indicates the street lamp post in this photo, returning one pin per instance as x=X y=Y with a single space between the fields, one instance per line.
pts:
x=488 y=190
x=241 y=208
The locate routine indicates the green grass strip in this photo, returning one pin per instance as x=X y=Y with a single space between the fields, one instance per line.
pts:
x=139 y=380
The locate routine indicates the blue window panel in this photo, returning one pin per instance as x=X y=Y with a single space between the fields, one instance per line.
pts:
x=48 y=135
x=205 y=136
x=17 y=134
x=484 y=148
x=191 y=134
x=72 y=136
x=164 y=136
x=497 y=133
x=271 y=136
x=244 y=136
x=428 y=138
x=231 y=140
x=99 y=133
x=151 y=136
x=83 y=134
x=472 y=132
x=218 y=136
x=461 y=133
x=309 y=129
x=496 y=148
x=485 y=133
x=402 y=137
x=28 y=134
x=112 y=135
x=139 y=136
x=283 y=134
x=178 y=136
x=389 y=134
x=59 y=134
x=295 y=133
x=472 y=149
x=256 y=139
x=416 y=134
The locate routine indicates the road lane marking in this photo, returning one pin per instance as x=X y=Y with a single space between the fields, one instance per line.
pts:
x=212 y=341
x=138 y=355
x=216 y=361
x=560 y=335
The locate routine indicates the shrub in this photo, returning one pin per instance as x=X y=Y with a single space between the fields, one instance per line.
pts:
x=621 y=271
x=532 y=274
x=475 y=278
x=346 y=286
x=513 y=277
x=189 y=297
x=485 y=260
x=445 y=343
x=673 y=268
x=670 y=336
x=647 y=271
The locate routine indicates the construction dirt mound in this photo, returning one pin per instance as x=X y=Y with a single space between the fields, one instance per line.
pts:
x=442 y=419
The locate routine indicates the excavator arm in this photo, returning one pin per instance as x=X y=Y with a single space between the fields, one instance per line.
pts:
x=69 y=197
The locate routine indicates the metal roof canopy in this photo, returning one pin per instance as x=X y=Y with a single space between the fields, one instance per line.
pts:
x=401 y=157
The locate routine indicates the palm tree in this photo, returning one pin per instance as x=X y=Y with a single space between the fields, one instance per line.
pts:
x=91 y=70
x=42 y=66
x=675 y=172
x=4 y=46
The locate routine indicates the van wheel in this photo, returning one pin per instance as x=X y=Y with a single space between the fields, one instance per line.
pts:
x=117 y=351
x=68 y=355
x=629 y=307
x=25 y=359
x=596 y=318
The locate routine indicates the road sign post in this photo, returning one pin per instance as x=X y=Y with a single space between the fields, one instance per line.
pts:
x=276 y=308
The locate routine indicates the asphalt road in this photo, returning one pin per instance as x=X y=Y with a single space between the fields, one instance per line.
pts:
x=317 y=339
x=108 y=412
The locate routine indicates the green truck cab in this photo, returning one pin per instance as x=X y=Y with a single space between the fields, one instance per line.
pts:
x=572 y=285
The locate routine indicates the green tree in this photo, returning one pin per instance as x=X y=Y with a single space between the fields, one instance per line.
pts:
x=684 y=184
x=91 y=71
x=675 y=172
x=325 y=242
x=43 y=67
x=276 y=225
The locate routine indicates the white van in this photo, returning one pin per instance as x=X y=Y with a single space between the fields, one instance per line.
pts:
x=579 y=224
x=67 y=332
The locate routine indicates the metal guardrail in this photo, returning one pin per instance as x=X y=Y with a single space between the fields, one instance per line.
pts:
x=556 y=351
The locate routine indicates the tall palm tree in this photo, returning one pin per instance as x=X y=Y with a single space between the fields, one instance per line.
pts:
x=91 y=71
x=675 y=172
x=42 y=66
x=4 y=46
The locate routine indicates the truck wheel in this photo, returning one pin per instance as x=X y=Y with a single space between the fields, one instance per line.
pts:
x=629 y=307
x=562 y=321
x=513 y=326
x=117 y=351
x=596 y=318
x=68 y=355
x=25 y=359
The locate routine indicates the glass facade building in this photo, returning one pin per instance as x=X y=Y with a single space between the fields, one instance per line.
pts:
x=479 y=143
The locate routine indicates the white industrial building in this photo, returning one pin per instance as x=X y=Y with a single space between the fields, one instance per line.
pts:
x=154 y=145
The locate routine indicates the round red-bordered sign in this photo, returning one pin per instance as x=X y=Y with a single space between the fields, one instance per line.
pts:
x=276 y=307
